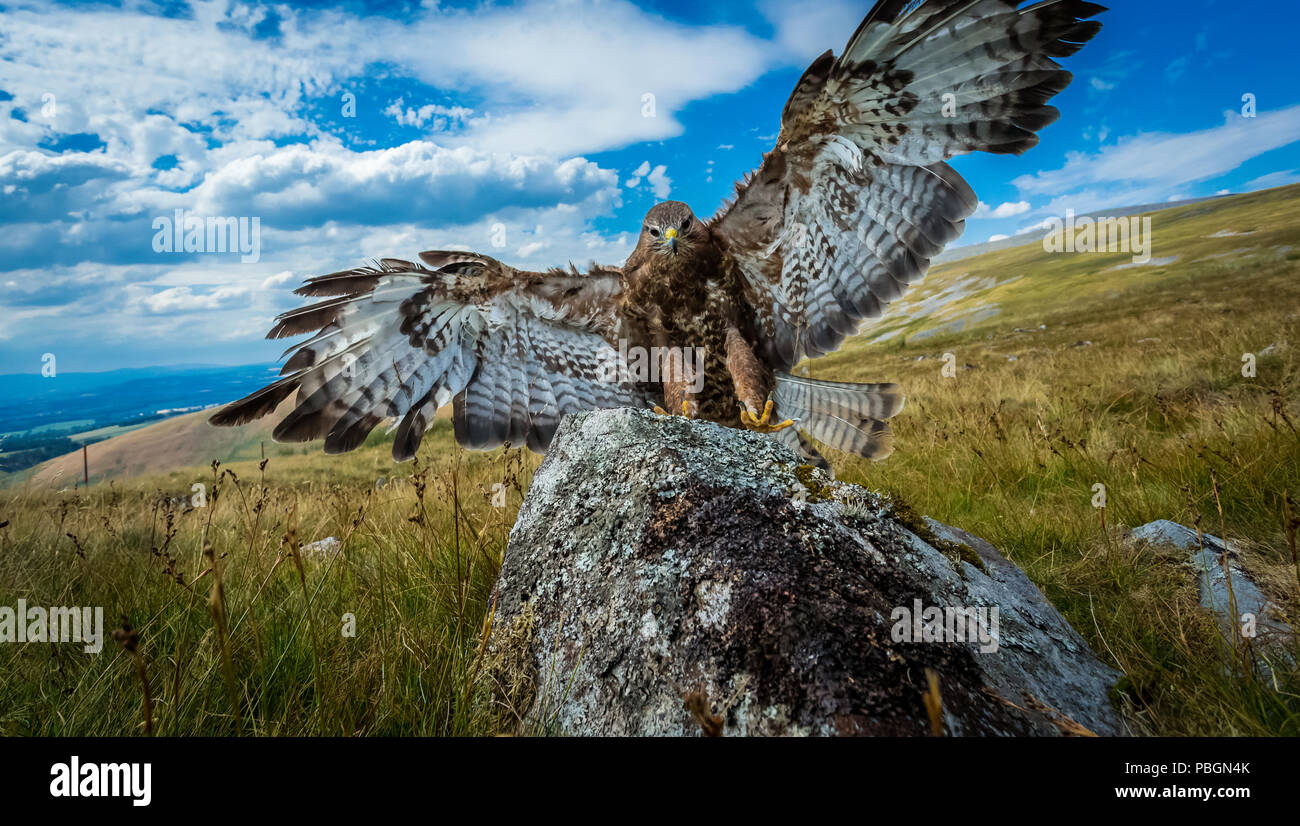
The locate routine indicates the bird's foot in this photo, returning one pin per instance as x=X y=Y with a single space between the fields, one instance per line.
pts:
x=763 y=424
x=689 y=409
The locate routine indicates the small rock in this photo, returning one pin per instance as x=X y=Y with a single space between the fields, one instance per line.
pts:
x=329 y=546
x=1270 y=627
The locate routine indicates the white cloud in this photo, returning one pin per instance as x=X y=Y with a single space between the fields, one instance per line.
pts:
x=183 y=299
x=322 y=182
x=1007 y=210
x=641 y=171
x=278 y=280
x=808 y=29
x=660 y=184
x=571 y=81
x=1149 y=167
x=439 y=117
x=1275 y=179
x=250 y=126
x=1043 y=224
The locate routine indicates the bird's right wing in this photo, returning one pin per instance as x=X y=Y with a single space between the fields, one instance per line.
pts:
x=513 y=351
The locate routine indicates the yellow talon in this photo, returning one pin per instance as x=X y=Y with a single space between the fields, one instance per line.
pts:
x=686 y=409
x=761 y=424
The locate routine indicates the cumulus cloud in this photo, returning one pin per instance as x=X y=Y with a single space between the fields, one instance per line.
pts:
x=655 y=178
x=641 y=171
x=37 y=186
x=302 y=185
x=440 y=118
x=660 y=183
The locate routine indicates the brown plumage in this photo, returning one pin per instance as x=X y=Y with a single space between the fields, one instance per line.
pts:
x=705 y=318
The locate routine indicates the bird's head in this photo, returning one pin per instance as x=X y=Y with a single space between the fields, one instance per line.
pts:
x=671 y=228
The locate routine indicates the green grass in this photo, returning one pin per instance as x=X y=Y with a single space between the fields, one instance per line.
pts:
x=1155 y=408
x=415 y=571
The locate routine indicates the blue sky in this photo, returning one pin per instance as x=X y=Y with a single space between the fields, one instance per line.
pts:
x=517 y=129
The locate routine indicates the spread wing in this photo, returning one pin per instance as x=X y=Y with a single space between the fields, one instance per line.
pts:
x=513 y=351
x=855 y=199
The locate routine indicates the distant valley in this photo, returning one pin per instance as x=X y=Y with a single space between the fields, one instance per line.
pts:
x=46 y=416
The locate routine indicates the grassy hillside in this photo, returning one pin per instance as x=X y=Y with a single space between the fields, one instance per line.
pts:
x=1071 y=371
x=1132 y=378
x=174 y=446
x=184 y=441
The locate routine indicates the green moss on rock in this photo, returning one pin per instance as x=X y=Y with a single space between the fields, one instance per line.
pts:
x=817 y=491
x=914 y=522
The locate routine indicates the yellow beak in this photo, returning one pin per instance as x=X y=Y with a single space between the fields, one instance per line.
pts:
x=671 y=237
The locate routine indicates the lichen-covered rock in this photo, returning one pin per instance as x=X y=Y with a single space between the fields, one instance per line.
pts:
x=671 y=577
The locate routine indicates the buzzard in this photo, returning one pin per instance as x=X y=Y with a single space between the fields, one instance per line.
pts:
x=706 y=317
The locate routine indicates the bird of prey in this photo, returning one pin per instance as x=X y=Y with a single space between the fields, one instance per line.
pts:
x=841 y=216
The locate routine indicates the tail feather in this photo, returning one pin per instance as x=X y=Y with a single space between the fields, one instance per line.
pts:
x=868 y=438
x=802 y=445
x=843 y=415
x=839 y=398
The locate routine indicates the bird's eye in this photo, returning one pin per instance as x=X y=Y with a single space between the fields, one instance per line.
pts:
x=654 y=232
x=686 y=224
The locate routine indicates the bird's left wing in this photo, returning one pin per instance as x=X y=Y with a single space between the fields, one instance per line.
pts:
x=513 y=351
x=855 y=199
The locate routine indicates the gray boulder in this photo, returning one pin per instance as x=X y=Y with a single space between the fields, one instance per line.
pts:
x=1265 y=627
x=673 y=577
